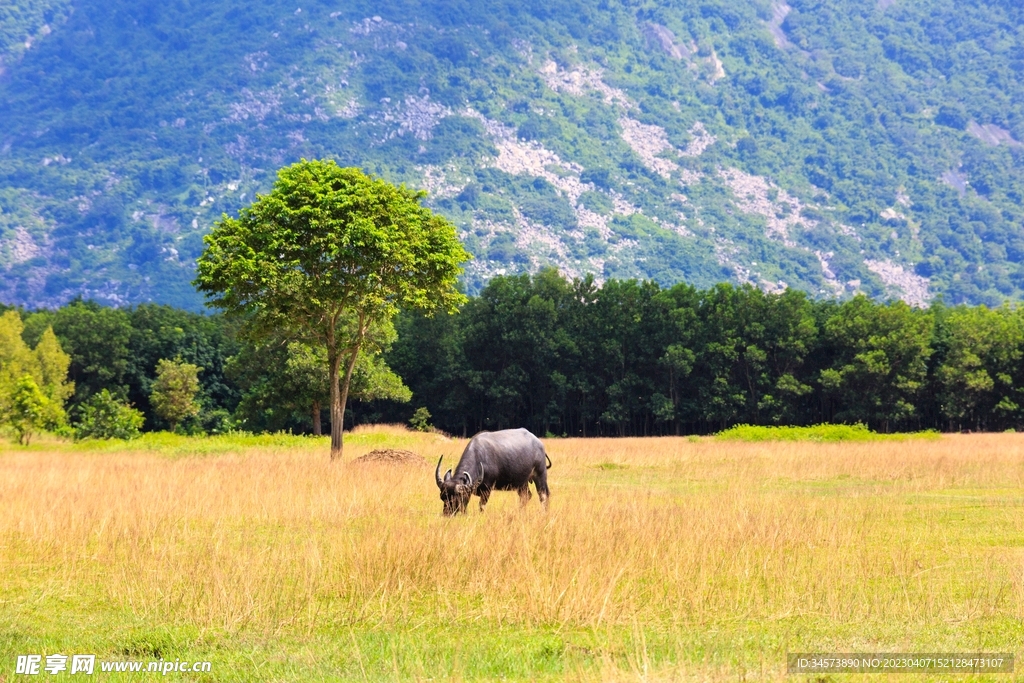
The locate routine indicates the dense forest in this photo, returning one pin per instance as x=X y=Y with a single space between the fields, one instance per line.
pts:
x=833 y=146
x=567 y=357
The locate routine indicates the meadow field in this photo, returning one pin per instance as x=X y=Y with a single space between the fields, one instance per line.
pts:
x=659 y=559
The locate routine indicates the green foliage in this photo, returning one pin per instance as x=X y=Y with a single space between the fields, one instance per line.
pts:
x=137 y=339
x=822 y=433
x=159 y=332
x=283 y=384
x=114 y=167
x=327 y=258
x=174 y=391
x=881 y=366
x=328 y=240
x=33 y=382
x=25 y=23
x=97 y=338
x=979 y=379
x=567 y=357
x=53 y=366
x=420 y=420
x=103 y=416
x=630 y=358
x=30 y=411
x=15 y=358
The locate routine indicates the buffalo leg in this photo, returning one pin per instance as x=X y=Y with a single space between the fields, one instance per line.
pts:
x=540 y=480
x=484 y=495
x=524 y=494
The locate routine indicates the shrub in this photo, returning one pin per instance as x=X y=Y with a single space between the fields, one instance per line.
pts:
x=822 y=432
x=103 y=416
x=420 y=420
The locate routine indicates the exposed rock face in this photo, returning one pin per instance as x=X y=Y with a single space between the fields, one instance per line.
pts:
x=662 y=37
x=826 y=269
x=22 y=247
x=546 y=243
x=991 y=134
x=908 y=286
x=753 y=195
x=955 y=179
x=441 y=182
x=715 y=68
x=417 y=116
x=700 y=140
x=580 y=80
x=780 y=10
x=256 y=106
x=649 y=142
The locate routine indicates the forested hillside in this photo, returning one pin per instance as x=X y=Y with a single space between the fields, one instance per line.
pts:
x=834 y=146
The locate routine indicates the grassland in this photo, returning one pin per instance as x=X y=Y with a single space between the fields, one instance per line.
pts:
x=659 y=559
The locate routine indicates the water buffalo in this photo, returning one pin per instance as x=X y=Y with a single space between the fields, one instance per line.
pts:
x=507 y=461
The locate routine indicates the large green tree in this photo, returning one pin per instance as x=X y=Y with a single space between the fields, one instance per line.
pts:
x=327 y=255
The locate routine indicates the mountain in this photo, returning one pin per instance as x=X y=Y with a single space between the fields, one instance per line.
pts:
x=836 y=146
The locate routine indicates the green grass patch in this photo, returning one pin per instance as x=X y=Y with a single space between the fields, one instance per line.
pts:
x=180 y=445
x=826 y=433
x=167 y=443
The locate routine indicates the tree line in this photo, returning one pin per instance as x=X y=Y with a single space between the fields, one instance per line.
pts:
x=555 y=355
x=632 y=358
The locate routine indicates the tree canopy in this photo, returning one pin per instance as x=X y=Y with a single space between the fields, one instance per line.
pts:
x=174 y=391
x=326 y=256
x=33 y=382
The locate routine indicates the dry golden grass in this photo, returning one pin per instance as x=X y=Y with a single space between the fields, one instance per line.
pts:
x=658 y=559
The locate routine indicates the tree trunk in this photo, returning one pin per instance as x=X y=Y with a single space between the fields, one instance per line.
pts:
x=317 y=428
x=337 y=412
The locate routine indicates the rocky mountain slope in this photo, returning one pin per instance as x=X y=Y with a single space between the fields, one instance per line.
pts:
x=830 y=145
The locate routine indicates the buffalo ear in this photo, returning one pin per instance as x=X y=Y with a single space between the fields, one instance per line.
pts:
x=447 y=475
x=468 y=478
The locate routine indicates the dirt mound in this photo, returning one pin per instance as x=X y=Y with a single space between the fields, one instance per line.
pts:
x=391 y=456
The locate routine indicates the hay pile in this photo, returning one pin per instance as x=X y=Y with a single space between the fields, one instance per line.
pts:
x=391 y=456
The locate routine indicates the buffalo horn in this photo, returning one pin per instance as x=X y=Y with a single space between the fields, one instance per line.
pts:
x=437 y=472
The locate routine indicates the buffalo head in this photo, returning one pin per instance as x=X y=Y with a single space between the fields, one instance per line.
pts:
x=455 y=491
